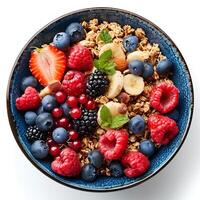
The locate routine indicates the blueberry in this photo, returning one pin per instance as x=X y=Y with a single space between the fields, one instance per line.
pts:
x=49 y=103
x=148 y=70
x=66 y=109
x=39 y=149
x=60 y=135
x=30 y=117
x=88 y=173
x=164 y=67
x=136 y=67
x=147 y=147
x=29 y=81
x=173 y=114
x=130 y=43
x=44 y=121
x=76 y=32
x=95 y=158
x=61 y=40
x=40 y=110
x=116 y=168
x=136 y=124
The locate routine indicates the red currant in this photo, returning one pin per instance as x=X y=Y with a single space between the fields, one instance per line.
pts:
x=63 y=122
x=72 y=101
x=75 y=113
x=60 y=97
x=90 y=105
x=57 y=113
x=76 y=145
x=54 y=151
x=50 y=142
x=73 y=135
x=83 y=99
x=69 y=127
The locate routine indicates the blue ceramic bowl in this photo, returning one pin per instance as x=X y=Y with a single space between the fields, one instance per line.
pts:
x=181 y=79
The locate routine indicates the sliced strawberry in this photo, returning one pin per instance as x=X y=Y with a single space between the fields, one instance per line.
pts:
x=48 y=64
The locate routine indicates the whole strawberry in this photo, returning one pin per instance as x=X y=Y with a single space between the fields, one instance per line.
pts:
x=80 y=58
x=30 y=100
x=67 y=163
x=135 y=164
x=74 y=83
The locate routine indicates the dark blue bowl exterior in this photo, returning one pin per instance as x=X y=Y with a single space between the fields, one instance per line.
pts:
x=181 y=79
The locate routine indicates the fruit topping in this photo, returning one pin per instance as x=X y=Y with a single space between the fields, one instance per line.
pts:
x=39 y=149
x=95 y=158
x=29 y=100
x=147 y=147
x=74 y=83
x=47 y=64
x=133 y=85
x=148 y=70
x=33 y=133
x=49 y=103
x=67 y=163
x=60 y=135
x=115 y=85
x=130 y=43
x=113 y=144
x=30 y=117
x=135 y=164
x=97 y=84
x=164 y=97
x=29 y=81
x=136 y=125
x=116 y=168
x=44 y=121
x=76 y=32
x=136 y=67
x=87 y=123
x=88 y=173
x=164 y=67
x=80 y=58
x=163 y=129
x=61 y=40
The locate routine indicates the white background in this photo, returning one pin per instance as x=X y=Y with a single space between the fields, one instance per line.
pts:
x=19 y=20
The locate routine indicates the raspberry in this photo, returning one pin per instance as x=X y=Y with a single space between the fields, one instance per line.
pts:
x=74 y=83
x=163 y=129
x=135 y=164
x=164 y=97
x=29 y=100
x=67 y=163
x=113 y=144
x=80 y=58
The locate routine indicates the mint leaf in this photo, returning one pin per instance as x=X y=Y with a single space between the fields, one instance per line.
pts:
x=104 y=63
x=119 y=121
x=105 y=36
x=106 y=55
x=105 y=115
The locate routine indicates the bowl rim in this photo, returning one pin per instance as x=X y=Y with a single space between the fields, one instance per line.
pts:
x=13 y=126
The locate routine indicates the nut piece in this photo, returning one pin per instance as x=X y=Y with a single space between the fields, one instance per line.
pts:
x=123 y=97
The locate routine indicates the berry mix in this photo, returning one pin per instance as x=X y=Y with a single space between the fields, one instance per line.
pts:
x=107 y=102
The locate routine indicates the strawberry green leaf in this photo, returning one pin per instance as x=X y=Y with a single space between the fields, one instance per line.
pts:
x=105 y=36
x=119 y=121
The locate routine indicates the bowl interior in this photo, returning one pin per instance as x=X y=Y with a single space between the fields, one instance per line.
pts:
x=181 y=79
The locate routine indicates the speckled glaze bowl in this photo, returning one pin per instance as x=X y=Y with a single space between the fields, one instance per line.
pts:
x=181 y=79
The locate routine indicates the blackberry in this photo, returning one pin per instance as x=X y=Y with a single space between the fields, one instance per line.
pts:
x=33 y=133
x=87 y=123
x=97 y=84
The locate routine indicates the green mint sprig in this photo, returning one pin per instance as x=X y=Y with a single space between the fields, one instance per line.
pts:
x=105 y=36
x=104 y=63
x=107 y=120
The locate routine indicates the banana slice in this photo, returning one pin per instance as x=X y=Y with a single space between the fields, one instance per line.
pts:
x=115 y=86
x=115 y=110
x=117 y=51
x=138 y=55
x=133 y=85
